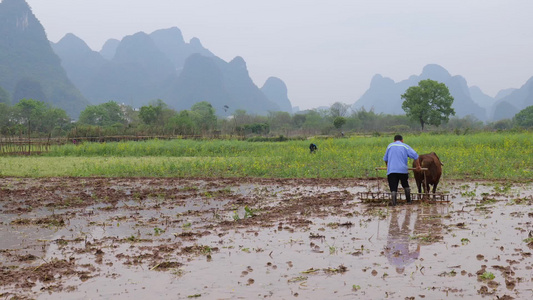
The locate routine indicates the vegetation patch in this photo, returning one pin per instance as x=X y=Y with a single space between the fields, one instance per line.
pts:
x=464 y=156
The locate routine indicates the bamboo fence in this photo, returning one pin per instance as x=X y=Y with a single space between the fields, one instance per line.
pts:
x=20 y=145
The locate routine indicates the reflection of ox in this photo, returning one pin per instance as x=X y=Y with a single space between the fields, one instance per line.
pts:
x=434 y=170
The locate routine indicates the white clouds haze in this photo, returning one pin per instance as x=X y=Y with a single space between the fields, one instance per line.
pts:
x=325 y=51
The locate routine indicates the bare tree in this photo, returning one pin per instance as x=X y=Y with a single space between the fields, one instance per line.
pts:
x=339 y=109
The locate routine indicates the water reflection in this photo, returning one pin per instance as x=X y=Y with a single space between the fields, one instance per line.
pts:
x=401 y=250
x=408 y=226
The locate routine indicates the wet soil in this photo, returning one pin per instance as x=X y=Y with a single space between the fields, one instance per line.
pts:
x=131 y=238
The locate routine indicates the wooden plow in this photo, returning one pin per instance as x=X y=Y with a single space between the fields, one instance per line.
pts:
x=385 y=196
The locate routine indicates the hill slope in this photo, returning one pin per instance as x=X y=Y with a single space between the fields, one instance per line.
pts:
x=518 y=99
x=29 y=68
x=384 y=95
x=161 y=65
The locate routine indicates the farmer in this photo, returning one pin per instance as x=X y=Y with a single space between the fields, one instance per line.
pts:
x=395 y=159
x=313 y=148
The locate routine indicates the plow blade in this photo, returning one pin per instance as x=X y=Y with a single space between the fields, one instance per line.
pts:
x=386 y=196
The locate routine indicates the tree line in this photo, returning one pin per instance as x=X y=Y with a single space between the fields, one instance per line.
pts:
x=427 y=106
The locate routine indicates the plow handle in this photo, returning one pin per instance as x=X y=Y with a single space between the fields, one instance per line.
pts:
x=410 y=169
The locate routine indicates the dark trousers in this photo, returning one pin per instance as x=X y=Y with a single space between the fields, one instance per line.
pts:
x=394 y=178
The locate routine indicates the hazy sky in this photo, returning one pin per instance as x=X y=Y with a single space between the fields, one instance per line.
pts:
x=325 y=51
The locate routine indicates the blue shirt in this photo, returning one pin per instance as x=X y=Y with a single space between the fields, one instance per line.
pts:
x=396 y=157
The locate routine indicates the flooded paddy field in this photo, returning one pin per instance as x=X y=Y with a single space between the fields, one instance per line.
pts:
x=242 y=238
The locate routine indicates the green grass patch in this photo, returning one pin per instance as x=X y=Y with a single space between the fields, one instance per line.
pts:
x=477 y=156
x=487 y=276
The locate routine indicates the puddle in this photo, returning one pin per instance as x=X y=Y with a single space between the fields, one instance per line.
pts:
x=260 y=238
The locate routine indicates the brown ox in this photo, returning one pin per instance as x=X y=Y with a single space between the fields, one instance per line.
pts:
x=434 y=170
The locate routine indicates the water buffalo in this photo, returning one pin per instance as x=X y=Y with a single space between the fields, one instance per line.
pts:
x=434 y=170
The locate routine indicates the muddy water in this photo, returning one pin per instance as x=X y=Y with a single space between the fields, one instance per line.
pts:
x=252 y=238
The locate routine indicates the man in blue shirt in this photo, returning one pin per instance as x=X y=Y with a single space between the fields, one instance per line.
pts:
x=396 y=158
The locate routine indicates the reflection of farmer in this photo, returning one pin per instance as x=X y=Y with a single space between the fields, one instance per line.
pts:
x=398 y=241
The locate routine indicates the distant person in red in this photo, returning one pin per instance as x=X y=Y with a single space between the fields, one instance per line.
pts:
x=395 y=159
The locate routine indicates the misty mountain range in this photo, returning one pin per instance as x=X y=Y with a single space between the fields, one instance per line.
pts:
x=384 y=96
x=161 y=65
x=135 y=70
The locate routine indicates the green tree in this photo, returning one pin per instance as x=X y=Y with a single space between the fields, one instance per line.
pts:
x=55 y=118
x=280 y=121
x=39 y=116
x=257 y=128
x=204 y=116
x=466 y=122
x=524 y=118
x=314 y=122
x=338 y=122
x=156 y=113
x=105 y=114
x=92 y=115
x=339 y=109
x=504 y=124
x=428 y=103
x=29 y=111
x=6 y=119
x=150 y=114
x=298 y=120
x=182 y=123
x=115 y=115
